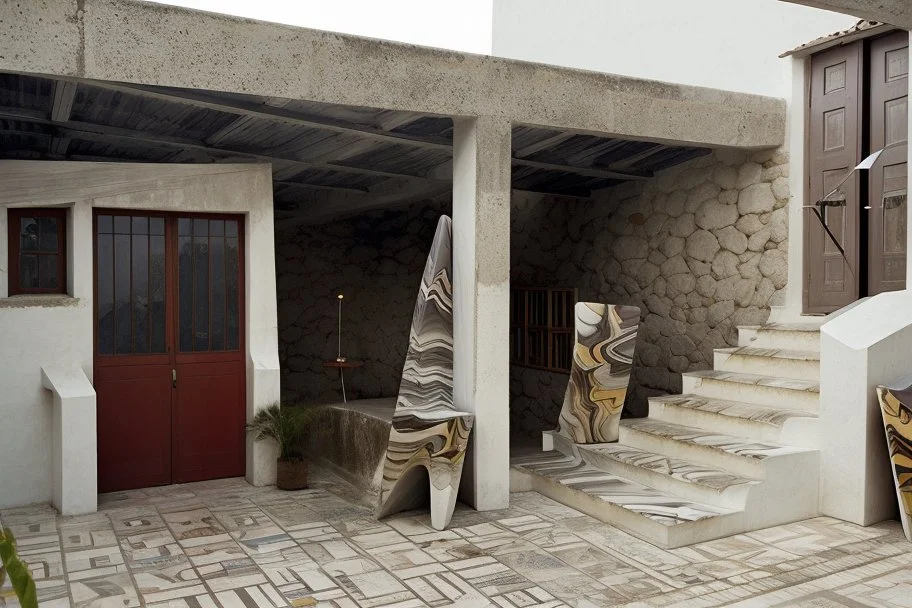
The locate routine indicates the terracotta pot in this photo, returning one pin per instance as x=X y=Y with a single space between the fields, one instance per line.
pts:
x=291 y=474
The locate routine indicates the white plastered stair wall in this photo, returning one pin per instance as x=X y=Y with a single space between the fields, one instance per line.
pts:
x=737 y=451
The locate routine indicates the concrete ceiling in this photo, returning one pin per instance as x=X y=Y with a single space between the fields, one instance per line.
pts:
x=894 y=12
x=328 y=159
x=152 y=44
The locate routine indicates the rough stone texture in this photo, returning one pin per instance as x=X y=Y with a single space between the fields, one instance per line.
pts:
x=712 y=254
x=692 y=284
x=375 y=260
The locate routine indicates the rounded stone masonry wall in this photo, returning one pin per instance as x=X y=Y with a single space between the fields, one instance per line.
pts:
x=701 y=248
x=376 y=260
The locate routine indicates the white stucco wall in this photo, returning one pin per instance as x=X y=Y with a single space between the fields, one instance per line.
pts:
x=724 y=44
x=48 y=331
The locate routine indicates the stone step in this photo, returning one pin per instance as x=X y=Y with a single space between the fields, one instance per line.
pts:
x=604 y=487
x=660 y=518
x=756 y=422
x=769 y=391
x=738 y=455
x=792 y=336
x=689 y=480
x=783 y=363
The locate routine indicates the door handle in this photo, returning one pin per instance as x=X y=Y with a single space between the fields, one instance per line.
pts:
x=173 y=378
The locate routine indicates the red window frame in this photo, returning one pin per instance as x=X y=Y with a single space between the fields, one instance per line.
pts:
x=14 y=217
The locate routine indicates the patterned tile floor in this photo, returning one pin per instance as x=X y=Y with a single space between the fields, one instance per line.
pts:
x=226 y=544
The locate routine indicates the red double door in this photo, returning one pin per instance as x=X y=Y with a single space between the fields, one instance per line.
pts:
x=169 y=348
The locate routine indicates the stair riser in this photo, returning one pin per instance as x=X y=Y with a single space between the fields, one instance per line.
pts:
x=799 y=432
x=746 y=336
x=628 y=521
x=726 y=425
x=739 y=465
x=790 y=492
x=799 y=369
x=732 y=498
x=787 y=340
x=771 y=396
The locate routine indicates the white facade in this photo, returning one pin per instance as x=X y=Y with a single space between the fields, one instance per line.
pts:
x=712 y=43
x=53 y=333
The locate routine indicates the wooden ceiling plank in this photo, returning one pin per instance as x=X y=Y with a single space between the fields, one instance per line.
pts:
x=94 y=132
x=256 y=110
x=585 y=171
x=543 y=144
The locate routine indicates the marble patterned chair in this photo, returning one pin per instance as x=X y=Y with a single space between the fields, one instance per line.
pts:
x=896 y=409
x=427 y=432
x=600 y=373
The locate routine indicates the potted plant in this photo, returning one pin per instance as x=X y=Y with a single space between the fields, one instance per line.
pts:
x=287 y=426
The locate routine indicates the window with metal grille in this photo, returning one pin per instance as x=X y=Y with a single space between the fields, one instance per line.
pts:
x=37 y=251
x=541 y=327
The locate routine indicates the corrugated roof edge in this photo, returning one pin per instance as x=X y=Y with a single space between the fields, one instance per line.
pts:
x=862 y=29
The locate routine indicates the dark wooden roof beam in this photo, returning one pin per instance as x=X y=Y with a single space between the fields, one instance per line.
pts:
x=584 y=171
x=93 y=132
x=258 y=110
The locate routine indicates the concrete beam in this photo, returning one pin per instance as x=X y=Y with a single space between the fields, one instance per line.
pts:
x=151 y=44
x=894 y=12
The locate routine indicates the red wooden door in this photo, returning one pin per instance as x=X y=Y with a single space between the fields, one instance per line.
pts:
x=834 y=148
x=169 y=411
x=889 y=96
x=209 y=407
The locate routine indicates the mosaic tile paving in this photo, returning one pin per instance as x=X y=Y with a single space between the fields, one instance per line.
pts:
x=225 y=544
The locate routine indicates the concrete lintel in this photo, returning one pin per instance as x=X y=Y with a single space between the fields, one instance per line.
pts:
x=136 y=42
x=894 y=12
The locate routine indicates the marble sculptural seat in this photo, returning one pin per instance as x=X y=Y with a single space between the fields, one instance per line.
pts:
x=599 y=376
x=392 y=448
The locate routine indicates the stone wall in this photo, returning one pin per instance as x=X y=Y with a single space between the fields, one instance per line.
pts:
x=701 y=249
x=375 y=260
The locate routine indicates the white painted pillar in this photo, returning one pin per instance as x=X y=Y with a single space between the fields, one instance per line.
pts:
x=263 y=376
x=481 y=303
x=908 y=206
x=795 y=136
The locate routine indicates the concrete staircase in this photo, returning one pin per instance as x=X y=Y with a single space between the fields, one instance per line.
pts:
x=736 y=452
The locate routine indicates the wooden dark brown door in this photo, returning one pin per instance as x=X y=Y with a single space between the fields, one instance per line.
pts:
x=834 y=148
x=887 y=180
x=169 y=364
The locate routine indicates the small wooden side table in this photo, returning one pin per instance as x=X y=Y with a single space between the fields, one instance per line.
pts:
x=342 y=366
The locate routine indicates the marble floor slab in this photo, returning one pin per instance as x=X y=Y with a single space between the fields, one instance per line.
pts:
x=225 y=544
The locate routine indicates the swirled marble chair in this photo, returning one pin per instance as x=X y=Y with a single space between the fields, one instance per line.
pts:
x=600 y=373
x=427 y=432
x=896 y=409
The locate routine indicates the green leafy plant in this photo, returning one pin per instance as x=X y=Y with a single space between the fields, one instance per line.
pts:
x=287 y=426
x=18 y=572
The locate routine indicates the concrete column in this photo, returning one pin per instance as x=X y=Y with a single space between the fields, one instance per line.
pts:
x=908 y=206
x=263 y=377
x=481 y=302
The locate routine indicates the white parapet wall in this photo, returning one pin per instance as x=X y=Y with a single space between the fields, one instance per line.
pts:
x=867 y=344
x=75 y=445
